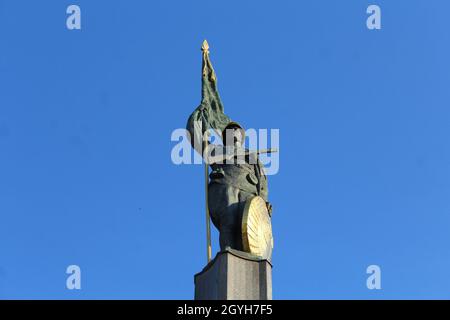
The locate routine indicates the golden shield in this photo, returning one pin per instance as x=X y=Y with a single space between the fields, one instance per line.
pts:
x=257 y=236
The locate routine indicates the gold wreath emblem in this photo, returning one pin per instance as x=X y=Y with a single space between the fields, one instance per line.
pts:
x=257 y=236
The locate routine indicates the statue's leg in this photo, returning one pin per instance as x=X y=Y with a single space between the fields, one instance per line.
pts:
x=223 y=201
x=231 y=221
x=229 y=226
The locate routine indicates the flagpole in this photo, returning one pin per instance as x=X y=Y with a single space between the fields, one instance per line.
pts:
x=208 y=223
x=205 y=50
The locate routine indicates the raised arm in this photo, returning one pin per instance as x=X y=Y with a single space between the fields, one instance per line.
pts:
x=209 y=114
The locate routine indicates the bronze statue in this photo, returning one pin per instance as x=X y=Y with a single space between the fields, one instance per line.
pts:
x=237 y=188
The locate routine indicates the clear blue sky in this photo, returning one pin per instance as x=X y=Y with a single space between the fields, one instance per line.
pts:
x=86 y=116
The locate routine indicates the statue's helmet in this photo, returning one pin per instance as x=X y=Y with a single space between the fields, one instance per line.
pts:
x=233 y=125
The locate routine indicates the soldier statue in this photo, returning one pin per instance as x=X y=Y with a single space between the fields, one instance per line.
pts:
x=237 y=175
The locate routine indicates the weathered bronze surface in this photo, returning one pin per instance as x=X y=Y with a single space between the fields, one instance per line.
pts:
x=232 y=183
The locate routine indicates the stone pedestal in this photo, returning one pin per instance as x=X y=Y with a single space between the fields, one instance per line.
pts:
x=234 y=275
